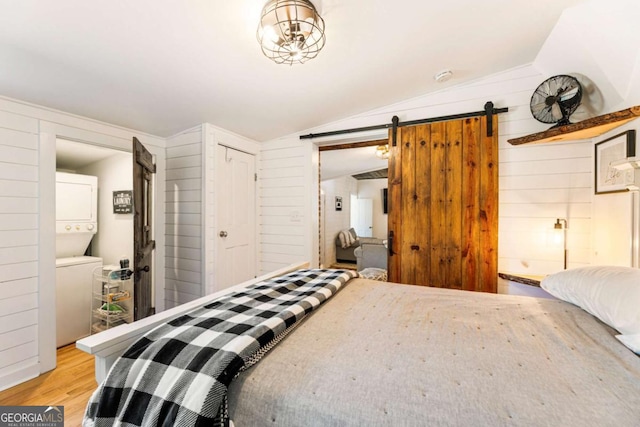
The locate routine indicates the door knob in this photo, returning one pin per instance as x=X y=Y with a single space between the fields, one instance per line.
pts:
x=223 y=234
x=145 y=269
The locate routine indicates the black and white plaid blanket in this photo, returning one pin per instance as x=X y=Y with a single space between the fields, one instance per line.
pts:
x=178 y=373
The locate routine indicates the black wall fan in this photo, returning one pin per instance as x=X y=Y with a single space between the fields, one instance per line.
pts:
x=556 y=99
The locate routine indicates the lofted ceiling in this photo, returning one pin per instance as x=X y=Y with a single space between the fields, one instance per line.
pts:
x=338 y=163
x=163 y=66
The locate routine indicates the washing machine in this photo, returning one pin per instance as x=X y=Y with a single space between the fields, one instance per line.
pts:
x=74 y=280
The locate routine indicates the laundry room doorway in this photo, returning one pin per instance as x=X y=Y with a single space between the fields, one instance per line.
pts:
x=94 y=237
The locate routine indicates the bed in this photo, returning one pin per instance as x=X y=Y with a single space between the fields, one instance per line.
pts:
x=379 y=353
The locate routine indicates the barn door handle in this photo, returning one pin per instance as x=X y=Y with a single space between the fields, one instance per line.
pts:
x=223 y=234
x=390 y=243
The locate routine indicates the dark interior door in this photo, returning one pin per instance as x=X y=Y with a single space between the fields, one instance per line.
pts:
x=143 y=243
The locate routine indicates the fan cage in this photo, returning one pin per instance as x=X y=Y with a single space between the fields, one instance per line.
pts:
x=549 y=90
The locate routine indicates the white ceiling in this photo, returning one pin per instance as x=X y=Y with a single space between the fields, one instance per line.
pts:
x=72 y=155
x=163 y=66
x=337 y=163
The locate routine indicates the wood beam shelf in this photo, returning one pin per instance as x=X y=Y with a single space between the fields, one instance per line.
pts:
x=589 y=128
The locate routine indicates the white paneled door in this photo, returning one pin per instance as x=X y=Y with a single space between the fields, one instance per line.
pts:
x=236 y=229
x=364 y=218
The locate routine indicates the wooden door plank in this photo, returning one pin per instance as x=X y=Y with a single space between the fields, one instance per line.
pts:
x=470 y=198
x=143 y=157
x=423 y=190
x=453 y=203
x=488 y=208
x=408 y=243
x=143 y=243
x=437 y=209
x=394 y=200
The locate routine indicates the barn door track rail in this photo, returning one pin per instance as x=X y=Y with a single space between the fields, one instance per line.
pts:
x=488 y=111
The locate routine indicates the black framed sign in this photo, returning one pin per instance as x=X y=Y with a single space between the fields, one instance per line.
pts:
x=123 y=202
x=338 y=203
x=607 y=178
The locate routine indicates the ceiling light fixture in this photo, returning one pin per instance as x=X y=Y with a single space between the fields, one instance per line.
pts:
x=382 y=151
x=290 y=31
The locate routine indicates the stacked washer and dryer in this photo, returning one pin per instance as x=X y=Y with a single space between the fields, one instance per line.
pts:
x=76 y=224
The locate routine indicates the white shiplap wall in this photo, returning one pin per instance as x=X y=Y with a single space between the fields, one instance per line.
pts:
x=284 y=203
x=190 y=210
x=209 y=208
x=183 y=218
x=18 y=247
x=537 y=183
x=27 y=246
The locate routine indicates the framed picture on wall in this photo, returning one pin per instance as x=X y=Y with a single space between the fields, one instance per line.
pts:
x=123 y=202
x=338 y=203
x=607 y=178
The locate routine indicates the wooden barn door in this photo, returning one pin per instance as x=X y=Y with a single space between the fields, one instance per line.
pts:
x=443 y=205
x=143 y=243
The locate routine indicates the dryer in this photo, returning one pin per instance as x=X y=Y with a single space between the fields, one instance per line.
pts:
x=76 y=213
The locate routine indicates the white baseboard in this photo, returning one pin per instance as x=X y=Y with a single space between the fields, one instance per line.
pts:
x=19 y=375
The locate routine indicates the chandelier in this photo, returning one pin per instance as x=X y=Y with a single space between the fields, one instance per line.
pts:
x=290 y=31
x=382 y=151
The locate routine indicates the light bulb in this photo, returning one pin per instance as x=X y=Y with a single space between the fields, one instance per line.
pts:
x=269 y=34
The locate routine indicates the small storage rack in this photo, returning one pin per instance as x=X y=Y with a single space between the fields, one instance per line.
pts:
x=112 y=301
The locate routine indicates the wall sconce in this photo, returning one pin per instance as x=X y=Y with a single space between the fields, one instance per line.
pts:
x=560 y=227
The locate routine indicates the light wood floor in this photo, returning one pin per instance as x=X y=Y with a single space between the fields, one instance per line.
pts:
x=69 y=385
x=344 y=265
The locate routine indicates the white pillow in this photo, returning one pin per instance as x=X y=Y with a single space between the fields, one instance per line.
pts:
x=342 y=236
x=612 y=294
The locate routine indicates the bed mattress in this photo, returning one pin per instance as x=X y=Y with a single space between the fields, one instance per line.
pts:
x=388 y=354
